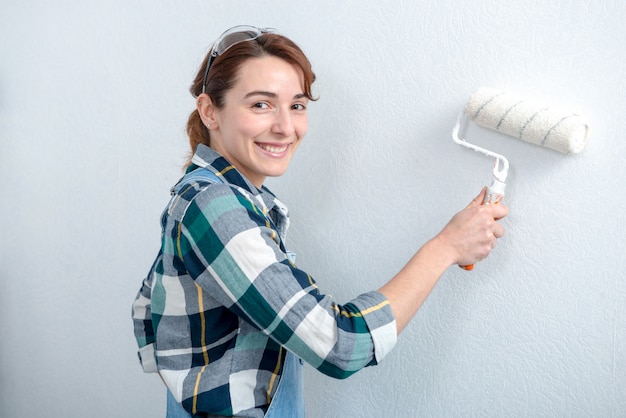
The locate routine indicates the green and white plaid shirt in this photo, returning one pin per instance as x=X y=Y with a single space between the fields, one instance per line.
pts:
x=223 y=300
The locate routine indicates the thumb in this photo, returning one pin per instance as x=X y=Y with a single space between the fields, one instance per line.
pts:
x=478 y=200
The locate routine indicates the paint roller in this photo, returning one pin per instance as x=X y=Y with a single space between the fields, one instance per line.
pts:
x=547 y=125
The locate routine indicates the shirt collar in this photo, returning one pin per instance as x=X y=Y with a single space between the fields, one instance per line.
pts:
x=212 y=160
x=208 y=158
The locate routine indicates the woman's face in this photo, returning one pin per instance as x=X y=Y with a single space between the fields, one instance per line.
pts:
x=263 y=119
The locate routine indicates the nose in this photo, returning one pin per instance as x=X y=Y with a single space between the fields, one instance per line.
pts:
x=283 y=123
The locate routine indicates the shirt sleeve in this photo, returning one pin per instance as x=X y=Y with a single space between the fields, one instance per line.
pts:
x=232 y=251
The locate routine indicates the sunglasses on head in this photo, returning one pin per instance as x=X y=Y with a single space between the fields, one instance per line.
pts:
x=228 y=39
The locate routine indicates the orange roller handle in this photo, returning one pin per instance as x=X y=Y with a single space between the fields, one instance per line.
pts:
x=495 y=194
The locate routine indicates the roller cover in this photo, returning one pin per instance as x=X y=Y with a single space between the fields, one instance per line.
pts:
x=532 y=121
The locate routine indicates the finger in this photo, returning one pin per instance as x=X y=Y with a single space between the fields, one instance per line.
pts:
x=478 y=200
x=498 y=231
x=499 y=211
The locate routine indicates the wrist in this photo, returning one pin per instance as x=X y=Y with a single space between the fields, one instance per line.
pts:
x=441 y=252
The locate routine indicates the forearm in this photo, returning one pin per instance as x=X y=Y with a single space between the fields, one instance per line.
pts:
x=408 y=289
x=469 y=237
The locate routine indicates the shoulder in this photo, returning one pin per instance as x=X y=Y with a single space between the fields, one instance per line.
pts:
x=218 y=200
x=190 y=192
x=203 y=193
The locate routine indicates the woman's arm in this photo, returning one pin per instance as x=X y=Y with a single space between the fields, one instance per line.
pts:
x=469 y=237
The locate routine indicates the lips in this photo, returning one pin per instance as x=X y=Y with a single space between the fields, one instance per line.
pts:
x=274 y=149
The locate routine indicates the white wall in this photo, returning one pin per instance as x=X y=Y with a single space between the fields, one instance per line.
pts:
x=93 y=102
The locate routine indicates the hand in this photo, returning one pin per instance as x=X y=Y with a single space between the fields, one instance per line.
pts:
x=473 y=232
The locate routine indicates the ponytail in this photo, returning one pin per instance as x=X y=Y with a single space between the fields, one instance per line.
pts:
x=197 y=132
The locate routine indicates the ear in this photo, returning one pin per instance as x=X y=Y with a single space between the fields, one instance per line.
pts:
x=206 y=109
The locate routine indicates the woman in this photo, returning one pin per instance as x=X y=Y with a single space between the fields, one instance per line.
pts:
x=224 y=315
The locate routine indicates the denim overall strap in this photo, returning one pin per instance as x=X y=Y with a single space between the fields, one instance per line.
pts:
x=174 y=409
x=200 y=173
x=288 y=401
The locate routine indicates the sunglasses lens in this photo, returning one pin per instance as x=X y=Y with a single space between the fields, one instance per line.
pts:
x=234 y=38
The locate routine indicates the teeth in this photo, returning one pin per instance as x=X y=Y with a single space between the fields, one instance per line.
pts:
x=273 y=149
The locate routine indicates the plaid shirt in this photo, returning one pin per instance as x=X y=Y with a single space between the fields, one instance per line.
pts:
x=223 y=300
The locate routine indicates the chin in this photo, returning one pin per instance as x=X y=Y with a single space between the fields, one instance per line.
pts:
x=276 y=173
x=276 y=170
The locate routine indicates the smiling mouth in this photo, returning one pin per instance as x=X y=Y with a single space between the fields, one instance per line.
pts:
x=273 y=148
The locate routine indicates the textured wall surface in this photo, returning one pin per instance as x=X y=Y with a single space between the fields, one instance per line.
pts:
x=93 y=102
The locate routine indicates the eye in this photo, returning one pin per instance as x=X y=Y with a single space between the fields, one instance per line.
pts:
x=298 y=106
x=261 y=105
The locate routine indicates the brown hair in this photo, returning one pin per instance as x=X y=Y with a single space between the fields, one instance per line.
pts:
x=225 y=68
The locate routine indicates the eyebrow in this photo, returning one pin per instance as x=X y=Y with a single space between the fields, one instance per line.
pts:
x=270 y=94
